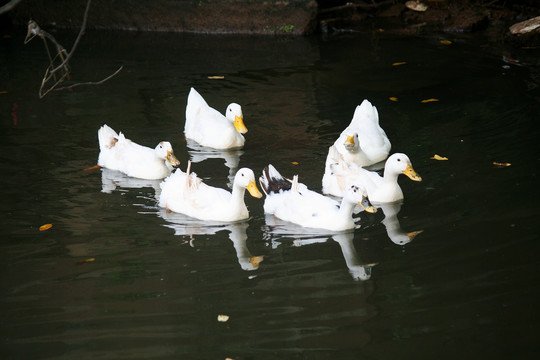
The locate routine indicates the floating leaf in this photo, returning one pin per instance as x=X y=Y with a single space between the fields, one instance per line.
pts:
x=393 y=98
x=222 y=318
x=86 y=261
x=294 y=162
x=438 y=157
x=501 y=164
x=216 y=77
x=3 y=92
x=429 y=100
x=399 y=63
x=446 y=42
x=45 y=227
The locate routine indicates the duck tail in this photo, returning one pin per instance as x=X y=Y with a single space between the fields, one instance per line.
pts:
x=272 y=182
x=107 y=137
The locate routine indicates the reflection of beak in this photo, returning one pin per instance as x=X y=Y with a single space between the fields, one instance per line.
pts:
x=252 y=188
x=256 y=260
x=367 y=205
x=411 y=174
x=239 y=124
x=349 y=142
x=171 y=159
x=411 y=235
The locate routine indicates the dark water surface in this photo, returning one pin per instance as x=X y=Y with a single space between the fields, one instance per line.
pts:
x=466 y=287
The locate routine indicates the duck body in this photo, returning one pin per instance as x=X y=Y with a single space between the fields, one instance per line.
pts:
x=210 y=128
x=294 y=202
x=381 y=189
x=132 y=159
x=364 y=142
x=186 y=193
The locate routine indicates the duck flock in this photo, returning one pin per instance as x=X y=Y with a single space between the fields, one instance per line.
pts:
x=351 y=186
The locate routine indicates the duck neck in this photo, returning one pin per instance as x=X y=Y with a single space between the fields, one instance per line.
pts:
x=346 y=209
x=237 y=197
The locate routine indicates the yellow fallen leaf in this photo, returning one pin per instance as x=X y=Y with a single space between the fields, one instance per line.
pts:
x=393 y=98
x=86 y=261
x=45 y=227
x=294 y=162
x=223 y=318
x=429 y=100
x=446 y=42
x=438 y=157
x=217 y=77
x=501 y=164
x=399 y=63
x=3 y=92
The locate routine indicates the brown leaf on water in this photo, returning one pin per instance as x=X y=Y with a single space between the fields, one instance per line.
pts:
x=399 y=63
x=393 y=98
x=45 y=227
x=294 y=162
x=216 y=77
x=438 y=157
x=3 y=92
x=86 y=261
x=429 y=100
x=446 y=42
x=501 y=164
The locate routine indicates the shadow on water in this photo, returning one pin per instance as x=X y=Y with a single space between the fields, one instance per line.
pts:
x=118 y=277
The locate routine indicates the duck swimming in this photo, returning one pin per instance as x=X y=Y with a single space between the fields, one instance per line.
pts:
x=294 y=202
x=210 y=128
x=132 y=159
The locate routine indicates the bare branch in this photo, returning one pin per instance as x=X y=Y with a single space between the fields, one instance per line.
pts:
x=57 y=74
x=10 y=5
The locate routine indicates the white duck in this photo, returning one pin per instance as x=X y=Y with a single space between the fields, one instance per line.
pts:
x=379 y=188
x=364 y=142
x=119 y=153
x=294 y=202
x=210 y=128
x=187 y=194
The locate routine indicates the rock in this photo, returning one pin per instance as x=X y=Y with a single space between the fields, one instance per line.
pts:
x=526 y=26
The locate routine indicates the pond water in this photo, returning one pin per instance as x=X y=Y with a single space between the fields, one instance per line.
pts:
x=117 y=277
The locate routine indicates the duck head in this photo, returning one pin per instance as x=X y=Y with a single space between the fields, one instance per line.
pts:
x=400 y=164
x=246 y=178
x=234 y=114
x=164 y=151
x=358 y=195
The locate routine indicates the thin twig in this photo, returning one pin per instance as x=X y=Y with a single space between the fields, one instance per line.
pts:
x=91 y=82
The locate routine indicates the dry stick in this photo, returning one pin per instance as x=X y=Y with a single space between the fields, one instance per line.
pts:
x=50 y=72
x=91 y=82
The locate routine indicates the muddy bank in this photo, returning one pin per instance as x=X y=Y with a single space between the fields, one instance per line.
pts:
x=296 y=17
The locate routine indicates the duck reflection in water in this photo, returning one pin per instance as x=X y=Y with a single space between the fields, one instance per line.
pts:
x=393 y=226
x=186 y=226
x=198 y=153
x=277 y=230
x=113 y=179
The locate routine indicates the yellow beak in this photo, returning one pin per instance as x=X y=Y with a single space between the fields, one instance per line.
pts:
x=171 y=159
x=252 y=188
x=349 y=141
x=411 y=174
x=367 y=205
x=239 y=125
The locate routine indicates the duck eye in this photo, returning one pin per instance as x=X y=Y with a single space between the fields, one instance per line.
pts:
x=398 y=159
